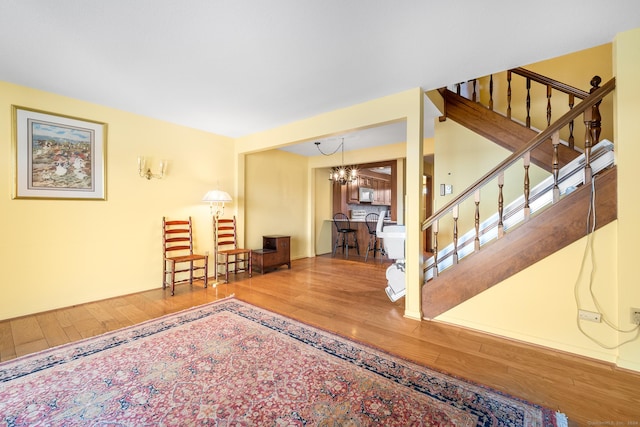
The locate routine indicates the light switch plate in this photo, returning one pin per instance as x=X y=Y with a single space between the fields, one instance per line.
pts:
x=446 y=189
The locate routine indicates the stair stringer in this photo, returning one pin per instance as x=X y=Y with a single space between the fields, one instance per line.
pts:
x=505 y=132
x=551 y=230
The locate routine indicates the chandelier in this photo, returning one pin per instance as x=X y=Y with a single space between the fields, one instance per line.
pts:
x=342 y=174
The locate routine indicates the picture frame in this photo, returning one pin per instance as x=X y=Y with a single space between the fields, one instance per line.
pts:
x=58 y=156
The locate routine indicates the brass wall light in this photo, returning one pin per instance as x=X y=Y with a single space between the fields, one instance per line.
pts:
x=145 y=172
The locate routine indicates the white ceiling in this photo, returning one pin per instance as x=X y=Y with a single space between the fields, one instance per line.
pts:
x=364 y=138
x=236 y=67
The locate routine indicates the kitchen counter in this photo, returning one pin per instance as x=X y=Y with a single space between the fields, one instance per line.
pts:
x=362 y=234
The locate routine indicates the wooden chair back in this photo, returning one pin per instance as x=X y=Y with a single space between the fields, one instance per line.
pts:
x=226 y=237
x=177 y=250
x=177 y=237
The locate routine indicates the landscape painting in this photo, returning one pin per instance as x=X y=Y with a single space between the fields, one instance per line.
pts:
x=58 y=156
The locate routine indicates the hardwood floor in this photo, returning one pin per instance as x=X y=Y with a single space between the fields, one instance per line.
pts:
x=347 y=297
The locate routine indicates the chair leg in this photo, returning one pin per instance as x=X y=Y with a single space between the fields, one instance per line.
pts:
x=226 y=268
x=164 y=274
x=357 y=246
x=340 y=238
x=345 y=241
x=206 y=271
x=345 y=245
x=173 y=277
x=250 y=255
x=375 y=245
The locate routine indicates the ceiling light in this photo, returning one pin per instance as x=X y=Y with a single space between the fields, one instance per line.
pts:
x=342 y=174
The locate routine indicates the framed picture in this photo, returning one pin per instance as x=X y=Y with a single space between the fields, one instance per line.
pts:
x=57 y=156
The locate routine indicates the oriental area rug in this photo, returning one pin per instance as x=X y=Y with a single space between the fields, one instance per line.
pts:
x=229 y=363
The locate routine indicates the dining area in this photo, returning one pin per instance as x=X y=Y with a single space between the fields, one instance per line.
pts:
x=357 y=203
x=354 y=234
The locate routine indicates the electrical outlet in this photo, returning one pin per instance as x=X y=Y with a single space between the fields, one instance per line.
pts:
x=591 y=316
x=635 y=316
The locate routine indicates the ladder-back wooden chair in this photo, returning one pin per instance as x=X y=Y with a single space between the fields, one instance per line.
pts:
x=226 y=248
x=177 y=250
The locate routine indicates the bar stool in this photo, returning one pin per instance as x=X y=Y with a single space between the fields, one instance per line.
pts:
x=343 y=227
x=372 y=221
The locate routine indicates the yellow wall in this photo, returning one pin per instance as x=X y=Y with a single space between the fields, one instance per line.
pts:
x=462 y=156
x=56 y=253
x=627 y=111
x=323 y=211
x=276 y=198
x=538 y=305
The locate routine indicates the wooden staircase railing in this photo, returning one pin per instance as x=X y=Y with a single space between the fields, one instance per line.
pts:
x=501 y=130
x=588 y=107
x=549 y=84
x=546 y=233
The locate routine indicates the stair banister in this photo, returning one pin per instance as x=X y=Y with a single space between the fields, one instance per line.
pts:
x=592 y=99
x=550 y=84
x=562 y=87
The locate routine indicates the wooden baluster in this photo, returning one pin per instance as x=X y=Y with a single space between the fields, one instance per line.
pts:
x=548 y=105
x=455 y=233
x=595 y=116
x=500 y=205
x=491 y=92
x=477 y=220
x=571 y=138
x=458 y=88
x=509 y=94
x=527 y=162
x=528 y=102
x=592 y=130
x=555 y=139
x=474 y=96
x=434 y=229
x=587 y=146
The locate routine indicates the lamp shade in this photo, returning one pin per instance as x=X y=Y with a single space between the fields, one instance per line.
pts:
x=216 y=196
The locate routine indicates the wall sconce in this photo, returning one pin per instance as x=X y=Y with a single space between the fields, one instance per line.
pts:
x=219 y=198
x=146 y=173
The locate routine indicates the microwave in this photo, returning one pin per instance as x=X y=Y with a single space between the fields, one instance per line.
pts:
x=366 y=194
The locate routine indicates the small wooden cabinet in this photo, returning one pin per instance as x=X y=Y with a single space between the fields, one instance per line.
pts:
x=353 y=192
x=275 y=252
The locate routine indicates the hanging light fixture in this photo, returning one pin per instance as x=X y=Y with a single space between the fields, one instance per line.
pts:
x=342 y=174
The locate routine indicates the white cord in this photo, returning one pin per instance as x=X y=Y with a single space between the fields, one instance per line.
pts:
x=591 y=227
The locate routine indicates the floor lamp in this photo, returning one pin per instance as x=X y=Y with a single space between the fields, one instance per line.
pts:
x=216 y=200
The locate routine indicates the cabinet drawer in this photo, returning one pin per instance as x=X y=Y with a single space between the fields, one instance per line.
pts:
x=274 y=253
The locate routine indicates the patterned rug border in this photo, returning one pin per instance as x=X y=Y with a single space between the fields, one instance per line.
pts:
x=549 y=414
x=295 y=329
x=46 y=354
